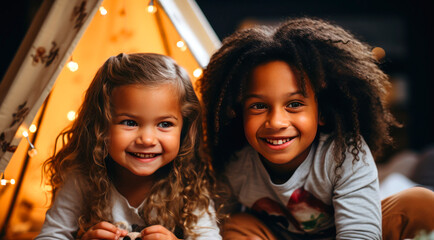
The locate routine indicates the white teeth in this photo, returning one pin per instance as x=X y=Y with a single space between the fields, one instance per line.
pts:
x=277 y=142
x=144 y=155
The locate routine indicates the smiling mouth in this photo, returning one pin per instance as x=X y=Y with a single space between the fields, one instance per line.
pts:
x=144 y=155
x=277 y=141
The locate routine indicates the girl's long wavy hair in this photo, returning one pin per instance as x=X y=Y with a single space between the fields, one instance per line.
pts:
x=349 y=86
x=188 y=183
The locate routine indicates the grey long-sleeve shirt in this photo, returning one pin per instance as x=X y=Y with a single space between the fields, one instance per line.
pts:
x=314 y=201
x=61 y=220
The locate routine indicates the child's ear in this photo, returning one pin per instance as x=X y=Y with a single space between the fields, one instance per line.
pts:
x=321 y=121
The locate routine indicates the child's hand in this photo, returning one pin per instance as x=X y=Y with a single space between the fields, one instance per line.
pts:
x=104 y=230
x=157 y=232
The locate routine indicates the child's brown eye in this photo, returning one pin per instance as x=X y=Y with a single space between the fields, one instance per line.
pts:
x=129 y=123
x=165 y=124
x=294 y=105
x=258 y=106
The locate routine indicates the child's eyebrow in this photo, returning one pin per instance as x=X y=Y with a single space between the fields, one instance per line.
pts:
x=123 y=115
x=254 y=95
x=169 y=116
x=134 y=116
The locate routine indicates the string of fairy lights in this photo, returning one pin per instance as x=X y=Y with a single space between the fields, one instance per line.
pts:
x=4 y=181
x=73 y=66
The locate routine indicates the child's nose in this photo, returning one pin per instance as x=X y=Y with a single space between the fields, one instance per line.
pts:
x=146 y=137
x=278 y=119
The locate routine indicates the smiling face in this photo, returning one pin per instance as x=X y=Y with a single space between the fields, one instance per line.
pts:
x=279 y=122
x=146 y=128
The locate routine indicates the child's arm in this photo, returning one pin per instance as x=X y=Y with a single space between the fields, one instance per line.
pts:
x=356 y=199
x=206 y=227
x=61 y=220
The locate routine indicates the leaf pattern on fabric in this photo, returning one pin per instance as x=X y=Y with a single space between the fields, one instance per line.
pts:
x=79 y=15
x=41 y=55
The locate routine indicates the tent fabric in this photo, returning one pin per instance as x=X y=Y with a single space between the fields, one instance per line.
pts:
x=24 y=91
x=190 y=25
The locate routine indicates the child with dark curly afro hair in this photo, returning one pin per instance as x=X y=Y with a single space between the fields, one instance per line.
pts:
x=295 y=116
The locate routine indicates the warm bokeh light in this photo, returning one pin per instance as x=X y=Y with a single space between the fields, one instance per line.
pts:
x=32 y=128
x=102 y=11
x=25 y=134
x=198 y=72
x=71 y=115
x=181 y=45
x=152 y=9
x=72 y=66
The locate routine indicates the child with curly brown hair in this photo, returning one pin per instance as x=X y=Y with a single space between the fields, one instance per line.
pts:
x=133 y=157
x=295 y=115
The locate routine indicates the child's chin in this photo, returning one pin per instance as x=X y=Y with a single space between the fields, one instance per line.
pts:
x=280 y=159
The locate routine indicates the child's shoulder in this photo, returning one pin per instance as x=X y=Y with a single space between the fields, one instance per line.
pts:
x=327 y=143
x=325 y=151
x=326 y=146
x=75 y=183
x=242 y=159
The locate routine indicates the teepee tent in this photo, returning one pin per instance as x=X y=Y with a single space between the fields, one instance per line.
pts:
x=43 y=88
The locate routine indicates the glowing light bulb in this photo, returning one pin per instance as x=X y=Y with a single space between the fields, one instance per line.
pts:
x=25 y=134
x=197 y=72
x=12 y=181
x=71 y=115
x=72 y=66
x=152 y=9
x=102 y=11
x=181 y=45
x=32 y=128
x=3 y=182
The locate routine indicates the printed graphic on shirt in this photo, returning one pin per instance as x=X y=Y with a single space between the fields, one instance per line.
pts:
x=303 y=214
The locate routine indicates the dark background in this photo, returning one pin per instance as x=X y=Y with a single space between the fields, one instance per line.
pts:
x=404 y=29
